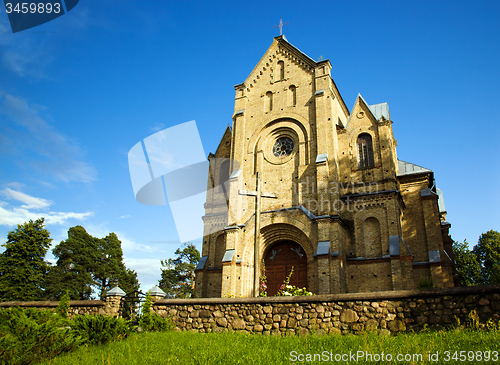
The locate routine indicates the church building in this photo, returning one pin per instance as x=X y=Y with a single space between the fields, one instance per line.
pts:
x=299 y=180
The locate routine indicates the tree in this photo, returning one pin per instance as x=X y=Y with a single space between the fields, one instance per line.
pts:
x=86 y=264
x=177 y=279
x=22 y=264
x=467 y=264
x=77 y=260
x=110 y=270
x=487 y=251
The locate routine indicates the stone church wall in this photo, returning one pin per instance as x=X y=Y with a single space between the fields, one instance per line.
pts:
x=387 y=312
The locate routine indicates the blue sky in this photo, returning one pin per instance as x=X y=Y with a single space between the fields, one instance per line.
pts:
x=77 y=93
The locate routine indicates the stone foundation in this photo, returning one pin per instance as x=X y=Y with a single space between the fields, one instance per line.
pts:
x=387 y=312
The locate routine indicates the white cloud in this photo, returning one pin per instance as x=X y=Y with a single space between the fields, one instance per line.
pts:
x=33 y=208
x=37 y=145
x=30 y=201
x=124 y=216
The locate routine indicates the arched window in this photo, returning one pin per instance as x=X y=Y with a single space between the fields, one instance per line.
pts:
x=224 y=177
x=269 y=101
x=281 y=70
x=365 y=151
x=292 y=92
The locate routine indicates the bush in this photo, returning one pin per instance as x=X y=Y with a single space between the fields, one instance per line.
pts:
x=100 y=329
x=152 y=321
x=30 y=335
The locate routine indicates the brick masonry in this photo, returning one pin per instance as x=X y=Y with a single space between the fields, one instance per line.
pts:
x=355 y=209
x=386 y=312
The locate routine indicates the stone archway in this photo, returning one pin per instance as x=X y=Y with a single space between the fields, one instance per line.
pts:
x=279 y=260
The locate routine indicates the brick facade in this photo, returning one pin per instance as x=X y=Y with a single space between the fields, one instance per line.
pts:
x=365 y=220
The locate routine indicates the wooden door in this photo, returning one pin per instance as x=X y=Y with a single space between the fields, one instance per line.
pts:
x=279 y=260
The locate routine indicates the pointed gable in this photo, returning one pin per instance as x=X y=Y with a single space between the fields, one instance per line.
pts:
x=268 y=69
x=224 y=147
x=376 y=111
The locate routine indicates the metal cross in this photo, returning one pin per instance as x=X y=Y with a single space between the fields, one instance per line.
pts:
x=280 y=25
x=258 y=194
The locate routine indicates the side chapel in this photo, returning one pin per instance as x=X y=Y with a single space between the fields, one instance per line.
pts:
x=333 y=200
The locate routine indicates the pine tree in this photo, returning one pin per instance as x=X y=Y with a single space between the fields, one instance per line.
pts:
x=111 y=270
x=466 y=264
x=77 y=260
x=177 y=280
x=22 y=264
x=488 y=253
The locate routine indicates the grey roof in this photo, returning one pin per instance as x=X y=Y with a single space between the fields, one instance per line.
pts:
x=201 y=263
x=442 y=208
x=380 y=110
x=228 y=256
x=156 y=292
x=321 y=157
x=323 y=248
x=407 y=168
x=115 y=292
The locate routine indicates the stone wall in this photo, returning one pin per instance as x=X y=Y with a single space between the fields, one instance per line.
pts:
x=111 y=307
x=343 y=313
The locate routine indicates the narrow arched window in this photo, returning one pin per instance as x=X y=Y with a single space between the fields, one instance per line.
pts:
x=281 y=70
x=269 y=101
x=224 y=177
x=365 y=151
x=292 y=95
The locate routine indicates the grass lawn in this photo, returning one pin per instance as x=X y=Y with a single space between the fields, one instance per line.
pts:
x=233 y=348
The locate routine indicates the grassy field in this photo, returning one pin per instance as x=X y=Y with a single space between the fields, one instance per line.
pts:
x=233 y=348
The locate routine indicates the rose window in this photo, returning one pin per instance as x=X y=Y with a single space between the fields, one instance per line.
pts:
x=283 y=147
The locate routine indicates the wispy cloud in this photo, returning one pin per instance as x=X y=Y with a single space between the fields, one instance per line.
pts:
x=31 y=141
x=124 y=216
x=33 y=208
x=26 y=56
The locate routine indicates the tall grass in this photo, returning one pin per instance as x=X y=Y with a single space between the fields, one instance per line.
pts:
x=234 y=348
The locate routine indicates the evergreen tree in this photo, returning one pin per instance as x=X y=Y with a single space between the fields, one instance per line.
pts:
x=467 y=264
x=86 y=264
x=177 y=279
x=110 y=270
x=77 y=260
x=487 y=251
x=22 y=264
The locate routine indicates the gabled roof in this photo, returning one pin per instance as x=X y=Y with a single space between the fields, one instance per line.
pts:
x=226 y=131
x=407 y=168
x=377 y=110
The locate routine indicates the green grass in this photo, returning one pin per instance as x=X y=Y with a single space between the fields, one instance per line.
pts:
x=234 y=348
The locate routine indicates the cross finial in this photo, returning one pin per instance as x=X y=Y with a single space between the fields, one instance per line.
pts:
x=280 y=25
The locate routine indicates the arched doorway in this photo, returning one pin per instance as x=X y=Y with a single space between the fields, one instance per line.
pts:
x=279 y=260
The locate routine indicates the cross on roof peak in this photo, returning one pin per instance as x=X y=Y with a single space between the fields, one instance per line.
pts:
x=280 y=25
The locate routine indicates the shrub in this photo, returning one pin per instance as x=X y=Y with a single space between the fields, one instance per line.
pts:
x=99 y=329
x=30 y=335
x=63 y=305
x=152 y=321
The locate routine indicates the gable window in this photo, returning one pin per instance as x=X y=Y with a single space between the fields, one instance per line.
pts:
x=281 y=70
x=268 y=102
x=365 y=151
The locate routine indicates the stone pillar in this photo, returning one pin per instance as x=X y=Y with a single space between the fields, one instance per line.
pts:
x=113 y=305
x=156 y=294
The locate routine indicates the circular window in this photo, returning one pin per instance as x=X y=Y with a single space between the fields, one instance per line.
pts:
x=283 y=147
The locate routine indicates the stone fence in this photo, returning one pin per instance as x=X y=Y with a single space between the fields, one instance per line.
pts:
x=111 y=306
x=387 y=312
